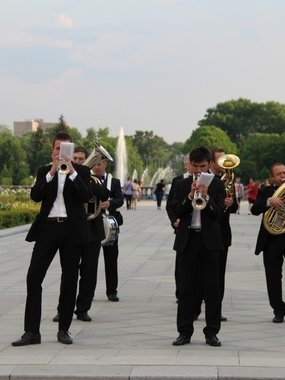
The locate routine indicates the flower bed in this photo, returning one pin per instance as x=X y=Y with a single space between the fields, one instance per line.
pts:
x=16 y=207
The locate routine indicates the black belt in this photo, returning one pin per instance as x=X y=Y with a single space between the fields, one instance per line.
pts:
x=58 y=219
x=195 y=229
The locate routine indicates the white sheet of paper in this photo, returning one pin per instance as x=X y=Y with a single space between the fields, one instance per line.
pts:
x=205 y=178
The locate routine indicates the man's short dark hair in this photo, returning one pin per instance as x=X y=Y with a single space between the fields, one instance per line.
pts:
x=62 y=136
x=216 y=150
x=273 y=166
x=81 y=149
x=200 y=154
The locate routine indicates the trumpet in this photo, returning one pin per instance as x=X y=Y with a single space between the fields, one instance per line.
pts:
x=198 y=202
x=63 y=167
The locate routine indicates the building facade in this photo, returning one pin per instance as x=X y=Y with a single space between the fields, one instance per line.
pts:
x=22 y=127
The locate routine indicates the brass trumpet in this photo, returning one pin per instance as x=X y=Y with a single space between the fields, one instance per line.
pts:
x=198 y=202
x=63 y=167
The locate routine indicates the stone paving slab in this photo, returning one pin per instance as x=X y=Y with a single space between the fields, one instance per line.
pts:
x=132 y=339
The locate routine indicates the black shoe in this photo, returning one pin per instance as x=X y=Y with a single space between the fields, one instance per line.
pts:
x=113 y=297
x=279 y=318
x=181 y=340
x=223 y=319
x=84 y=316
x=28 y=338
x=213 y=341
x=64 y=337
x=56 y=318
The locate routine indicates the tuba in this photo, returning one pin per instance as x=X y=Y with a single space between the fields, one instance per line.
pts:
x=228 y=162
x=274 y=219
x=93 y=206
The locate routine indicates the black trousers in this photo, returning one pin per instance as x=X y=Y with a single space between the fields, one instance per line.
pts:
x=273 y=257
x=55 y=236
x=198 y=265
x=88 y=276
x=111 y=253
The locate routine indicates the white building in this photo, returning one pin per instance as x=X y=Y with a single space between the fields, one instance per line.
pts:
x=22 y=127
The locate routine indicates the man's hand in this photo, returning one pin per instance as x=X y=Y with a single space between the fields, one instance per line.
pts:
x=276 y=202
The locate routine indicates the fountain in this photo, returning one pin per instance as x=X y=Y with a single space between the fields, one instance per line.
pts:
x=121 y=158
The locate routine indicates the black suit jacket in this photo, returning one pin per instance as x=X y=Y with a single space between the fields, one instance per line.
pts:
x=260 y=206
x=169 y=203
x=210 y=215
x=96 y=226
x=75 y=194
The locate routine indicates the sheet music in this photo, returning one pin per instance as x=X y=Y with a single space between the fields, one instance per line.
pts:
x=205 y=178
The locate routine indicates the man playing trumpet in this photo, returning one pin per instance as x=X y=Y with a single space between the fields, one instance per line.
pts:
x=198 y=241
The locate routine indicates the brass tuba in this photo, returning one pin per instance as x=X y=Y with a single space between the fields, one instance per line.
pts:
x=228 y=162
x=274 y=219
x=94 y=205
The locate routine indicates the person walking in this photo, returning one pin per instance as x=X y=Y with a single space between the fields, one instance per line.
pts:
x=128 y=192
x=90 y=251
x=159 y=191
x=136 y=196
x=198 y=241
x=272 y=245
x=239 y=191
x=174 y=220
x=251 y=193
x=110 y=252
x=60 y=225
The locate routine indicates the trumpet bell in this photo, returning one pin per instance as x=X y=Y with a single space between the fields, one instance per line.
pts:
x=228 y=161
x=199 y=203
x=63 y=167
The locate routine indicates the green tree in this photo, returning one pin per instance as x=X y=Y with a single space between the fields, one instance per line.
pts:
x=13 y=161
x=210 y=137
x=259 y=152
x=239 y=118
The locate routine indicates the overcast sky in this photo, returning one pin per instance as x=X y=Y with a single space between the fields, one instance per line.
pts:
x=148 y=65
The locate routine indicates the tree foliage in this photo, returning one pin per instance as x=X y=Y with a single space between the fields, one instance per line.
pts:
x=210 y=137
x=242 y=117
x=259 y=152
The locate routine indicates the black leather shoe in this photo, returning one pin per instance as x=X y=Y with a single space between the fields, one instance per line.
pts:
x=113 y=297
x=64 y=337
x=28 y=338
x=213 y=341
x=56 y=318
x=279 y=318
x=84 y=316
x=223 y=319
x=181 y=340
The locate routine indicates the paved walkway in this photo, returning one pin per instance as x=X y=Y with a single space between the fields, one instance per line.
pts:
x=132 y=339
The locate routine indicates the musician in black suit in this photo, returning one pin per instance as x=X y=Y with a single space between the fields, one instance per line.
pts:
x=273 y=246
x=90 y=251
x=231 y=207
x=60 y=225
x=174 y=220
x=110 y=252
x=198 y=241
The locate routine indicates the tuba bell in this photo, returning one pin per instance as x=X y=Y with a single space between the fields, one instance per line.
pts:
x=274 y=219
x=94 y=205
x=228 y=162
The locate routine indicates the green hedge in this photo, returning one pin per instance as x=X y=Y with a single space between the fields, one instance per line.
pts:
x=14 y=218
